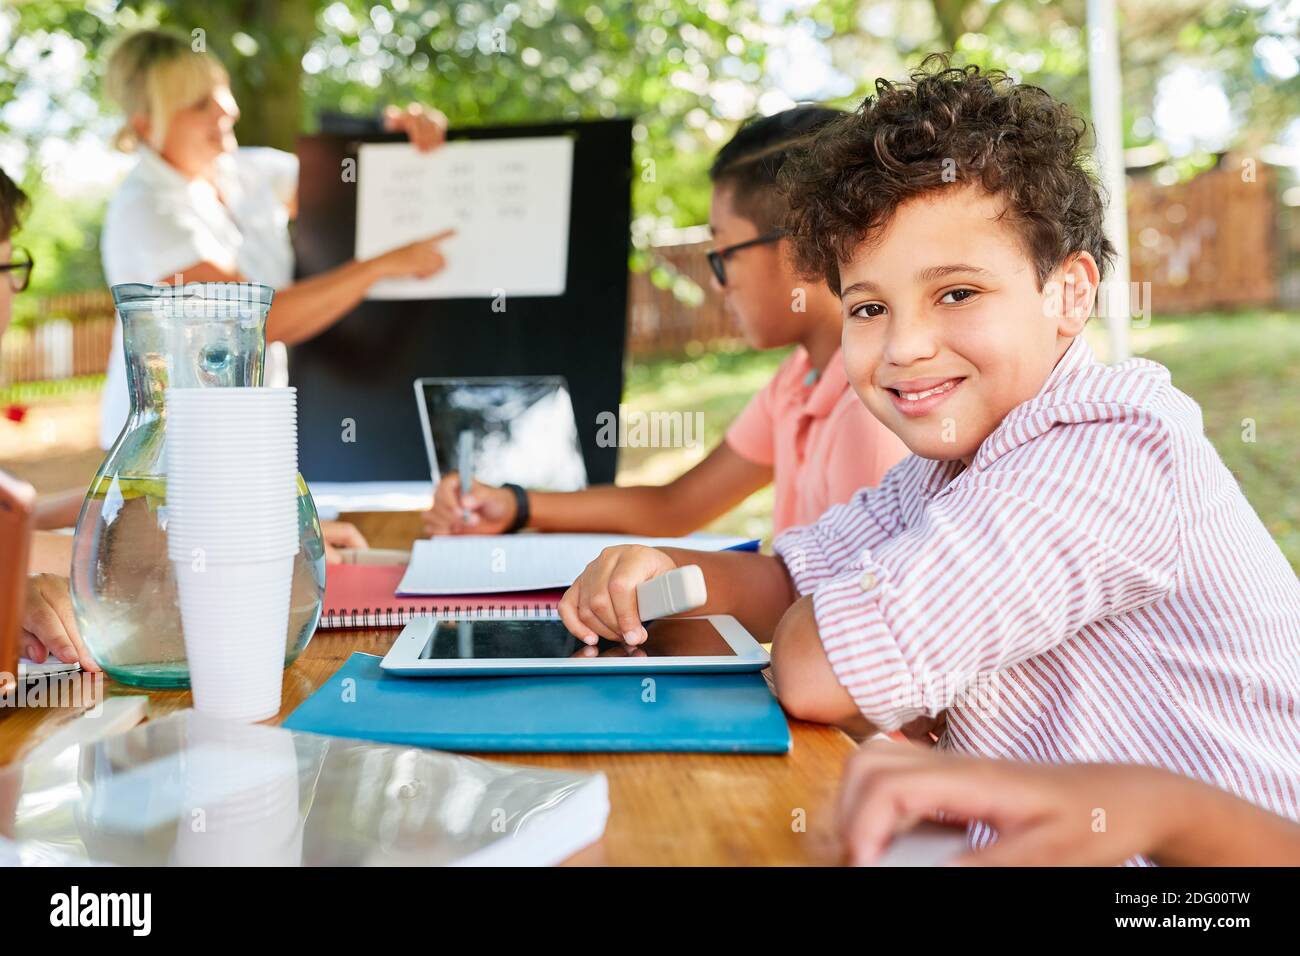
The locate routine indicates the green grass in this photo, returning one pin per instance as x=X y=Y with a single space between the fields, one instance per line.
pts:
x=1240 y=368
x=718 y=384
x=1243 y=368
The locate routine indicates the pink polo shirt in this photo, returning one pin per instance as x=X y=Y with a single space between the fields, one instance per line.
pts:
x=820 y=441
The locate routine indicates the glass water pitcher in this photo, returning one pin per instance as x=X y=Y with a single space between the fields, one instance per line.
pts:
x=208 y=335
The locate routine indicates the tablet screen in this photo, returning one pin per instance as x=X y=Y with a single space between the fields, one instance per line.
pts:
x=487 y=640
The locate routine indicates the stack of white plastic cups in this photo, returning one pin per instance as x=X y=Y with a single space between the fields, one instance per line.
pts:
x=232 y=534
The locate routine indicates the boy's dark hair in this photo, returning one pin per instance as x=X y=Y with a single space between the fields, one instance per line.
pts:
x=947 y=126
x=13 y=203
x=750 y=162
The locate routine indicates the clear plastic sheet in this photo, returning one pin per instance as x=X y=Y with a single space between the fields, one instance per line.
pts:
x=188 y=790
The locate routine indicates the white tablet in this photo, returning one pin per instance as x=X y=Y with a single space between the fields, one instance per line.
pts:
x=448 y=647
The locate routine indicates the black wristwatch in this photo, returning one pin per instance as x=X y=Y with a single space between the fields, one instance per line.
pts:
x=521 y=508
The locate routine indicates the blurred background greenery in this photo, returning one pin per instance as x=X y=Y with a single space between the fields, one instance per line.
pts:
x=1199 y=77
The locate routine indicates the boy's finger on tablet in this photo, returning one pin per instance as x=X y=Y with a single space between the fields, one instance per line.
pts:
x=596 y=625
x=627 y=617
x=601 y=607
x=568 y=611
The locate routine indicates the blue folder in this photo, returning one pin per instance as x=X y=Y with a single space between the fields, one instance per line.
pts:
x=714 y=713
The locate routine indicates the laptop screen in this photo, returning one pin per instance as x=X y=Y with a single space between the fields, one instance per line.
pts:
x=523 y=429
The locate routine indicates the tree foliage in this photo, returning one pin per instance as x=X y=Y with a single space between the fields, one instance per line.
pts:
x=687 y=70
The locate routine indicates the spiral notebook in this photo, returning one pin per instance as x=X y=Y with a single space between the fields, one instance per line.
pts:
x=361 y=595
x=389 y=595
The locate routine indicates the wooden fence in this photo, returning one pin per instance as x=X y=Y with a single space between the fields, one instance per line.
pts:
x=1220 y=241
x=70 y=337
x=674 y=303
x=1212 y=242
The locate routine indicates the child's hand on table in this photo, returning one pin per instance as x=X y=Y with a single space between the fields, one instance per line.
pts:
x=341 y=534
x=1045 y=814
x=602 y=602
x=491 y=510
x=49 y=626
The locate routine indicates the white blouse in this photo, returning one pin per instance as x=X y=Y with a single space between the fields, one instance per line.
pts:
x=159 y=222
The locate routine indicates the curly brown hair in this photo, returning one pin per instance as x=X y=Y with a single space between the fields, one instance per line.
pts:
x=947 y=126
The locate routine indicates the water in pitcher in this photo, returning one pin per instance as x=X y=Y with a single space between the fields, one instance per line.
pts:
x=201 y=335
x=135 y=619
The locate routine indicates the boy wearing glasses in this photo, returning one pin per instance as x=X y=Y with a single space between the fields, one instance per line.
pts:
x=806 y=431
x=49 y=626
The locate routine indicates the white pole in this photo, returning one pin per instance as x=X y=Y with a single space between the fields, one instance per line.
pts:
x=1108 y=122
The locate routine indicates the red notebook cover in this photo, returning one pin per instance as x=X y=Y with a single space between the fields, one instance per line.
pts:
x=362 y=595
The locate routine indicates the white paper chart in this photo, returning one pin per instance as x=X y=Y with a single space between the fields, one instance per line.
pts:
x=507 y=199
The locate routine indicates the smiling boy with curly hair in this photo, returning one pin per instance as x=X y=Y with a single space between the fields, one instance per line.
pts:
x=1063 y=566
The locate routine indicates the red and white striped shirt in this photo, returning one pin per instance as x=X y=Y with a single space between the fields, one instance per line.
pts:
x=1094 y=587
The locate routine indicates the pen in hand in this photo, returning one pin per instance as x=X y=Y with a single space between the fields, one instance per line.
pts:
x=465 y=467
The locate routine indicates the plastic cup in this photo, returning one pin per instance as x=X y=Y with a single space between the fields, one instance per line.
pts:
x=194 y=481
x=201 y=506
x=230 y=396
x=266 y=427
x=235 y=619
x=198 y=553
x=244 y=528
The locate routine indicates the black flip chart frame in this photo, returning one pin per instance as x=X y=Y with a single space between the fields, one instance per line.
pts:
x=357 y=415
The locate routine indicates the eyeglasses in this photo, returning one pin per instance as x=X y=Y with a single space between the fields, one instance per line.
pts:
x=20 y=269
x=718 y=257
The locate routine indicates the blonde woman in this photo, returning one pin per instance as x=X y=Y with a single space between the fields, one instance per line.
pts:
x=199 y=206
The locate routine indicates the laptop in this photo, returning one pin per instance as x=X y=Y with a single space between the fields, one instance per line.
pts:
x=523 y=429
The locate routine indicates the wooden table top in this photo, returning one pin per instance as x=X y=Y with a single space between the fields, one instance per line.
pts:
x=665 y=809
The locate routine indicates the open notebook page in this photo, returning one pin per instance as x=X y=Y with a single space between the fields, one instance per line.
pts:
x=490 y=564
